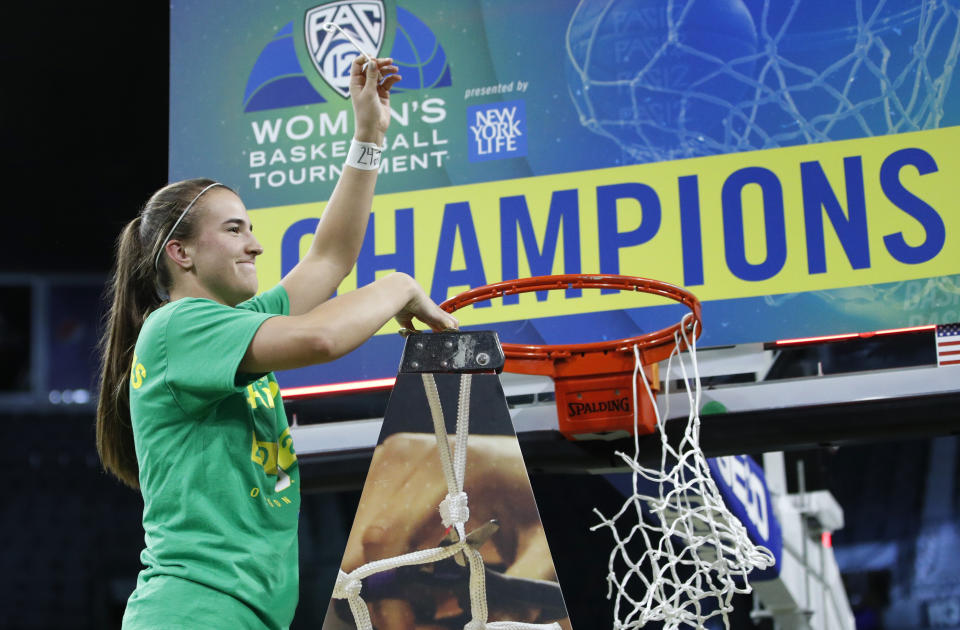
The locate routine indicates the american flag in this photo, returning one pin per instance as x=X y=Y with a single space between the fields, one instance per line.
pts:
x=948 y=344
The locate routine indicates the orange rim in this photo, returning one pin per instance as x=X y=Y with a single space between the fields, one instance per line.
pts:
x=654 y=346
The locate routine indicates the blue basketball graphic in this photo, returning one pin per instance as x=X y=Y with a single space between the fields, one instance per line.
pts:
x=277 y=80
x=418 y=54
x=702 y=77
x=656 y=76
x=855 y=68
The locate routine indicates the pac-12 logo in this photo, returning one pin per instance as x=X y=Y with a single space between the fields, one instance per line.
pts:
x=282 y=76
x=330 y=51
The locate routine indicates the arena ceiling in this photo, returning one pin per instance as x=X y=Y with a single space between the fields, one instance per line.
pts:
x=84 y=124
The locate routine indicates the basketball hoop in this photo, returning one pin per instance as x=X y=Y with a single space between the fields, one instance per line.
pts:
x=593 y=380
x=692 y=548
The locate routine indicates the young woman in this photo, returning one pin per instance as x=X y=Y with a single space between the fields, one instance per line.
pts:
x=189 y=410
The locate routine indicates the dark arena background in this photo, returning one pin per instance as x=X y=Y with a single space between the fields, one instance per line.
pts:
x=800 y=356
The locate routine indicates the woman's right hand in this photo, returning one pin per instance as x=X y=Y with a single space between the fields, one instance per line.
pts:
x=421 y=307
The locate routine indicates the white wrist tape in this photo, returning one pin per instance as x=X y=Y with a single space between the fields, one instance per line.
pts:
x=364 y=155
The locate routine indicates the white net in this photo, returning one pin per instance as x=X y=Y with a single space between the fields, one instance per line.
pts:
x=679 y=555
x=683 y=78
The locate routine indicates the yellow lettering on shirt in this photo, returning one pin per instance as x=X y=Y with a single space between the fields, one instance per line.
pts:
x=253 y=395
x=266 y=391
x=137 y=373
x=262 y=392
x=285 y=451
x=276 y=458
x=264 y=454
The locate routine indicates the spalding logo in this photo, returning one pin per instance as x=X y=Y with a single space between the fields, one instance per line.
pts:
x=577 y=408
x=331 y=52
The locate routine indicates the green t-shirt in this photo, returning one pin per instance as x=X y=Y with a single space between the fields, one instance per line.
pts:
x=218 y=473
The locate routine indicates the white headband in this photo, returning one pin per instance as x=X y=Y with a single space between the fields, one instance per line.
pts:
x=156 y=263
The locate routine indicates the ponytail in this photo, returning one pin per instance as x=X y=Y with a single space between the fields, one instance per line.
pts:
x=133 y=293
x=132 y=297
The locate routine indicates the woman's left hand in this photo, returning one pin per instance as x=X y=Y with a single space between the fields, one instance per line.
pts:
x=371 y=100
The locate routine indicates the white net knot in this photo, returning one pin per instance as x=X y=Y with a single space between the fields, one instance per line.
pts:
x=475 y=624
x=454 y=510
x=346 y=587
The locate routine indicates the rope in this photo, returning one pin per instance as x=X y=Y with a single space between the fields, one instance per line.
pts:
x=453 y=512
x=453 y=509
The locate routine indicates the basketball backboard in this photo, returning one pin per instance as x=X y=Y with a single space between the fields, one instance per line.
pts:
x=669 y=144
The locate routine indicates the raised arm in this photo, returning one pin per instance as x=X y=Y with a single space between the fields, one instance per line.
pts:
x=339 y=235
x=335 y=327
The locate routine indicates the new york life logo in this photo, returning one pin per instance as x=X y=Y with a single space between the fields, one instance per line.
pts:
x=497 y=131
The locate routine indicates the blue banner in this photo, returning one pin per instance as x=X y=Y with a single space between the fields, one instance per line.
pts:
x=791 y=162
